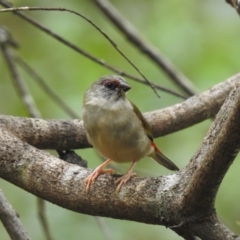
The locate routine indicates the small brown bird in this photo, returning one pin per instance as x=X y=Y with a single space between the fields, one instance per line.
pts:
x=117 y=129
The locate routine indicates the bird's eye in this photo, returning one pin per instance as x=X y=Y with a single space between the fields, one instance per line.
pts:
x=110 y=85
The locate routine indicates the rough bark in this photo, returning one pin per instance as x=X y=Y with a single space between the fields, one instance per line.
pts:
x=183 y=201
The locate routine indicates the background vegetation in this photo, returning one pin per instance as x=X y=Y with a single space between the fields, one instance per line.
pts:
x=200 y=37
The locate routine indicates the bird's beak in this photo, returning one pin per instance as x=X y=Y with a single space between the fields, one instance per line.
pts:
x=123 y=87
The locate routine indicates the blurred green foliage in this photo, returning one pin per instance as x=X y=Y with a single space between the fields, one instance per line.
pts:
x=200 y=37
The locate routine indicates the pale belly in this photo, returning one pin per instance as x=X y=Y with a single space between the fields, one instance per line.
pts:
x=121 y=140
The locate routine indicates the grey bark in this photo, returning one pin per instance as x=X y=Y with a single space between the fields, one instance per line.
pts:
x=183 y=201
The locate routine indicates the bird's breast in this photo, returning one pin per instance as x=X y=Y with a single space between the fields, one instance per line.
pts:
x=116 y=134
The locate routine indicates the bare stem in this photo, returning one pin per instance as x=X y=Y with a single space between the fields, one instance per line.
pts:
x=42 y=83
x=11 y=221
x=138 y=40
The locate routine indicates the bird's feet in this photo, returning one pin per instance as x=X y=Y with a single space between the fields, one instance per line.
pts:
x=93 y=176
x=122 y=180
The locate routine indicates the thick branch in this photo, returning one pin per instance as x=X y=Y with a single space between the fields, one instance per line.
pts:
x=63 y=184
x=11 y=221
x=194 y=110
x=66 y=134
x=163 y=200
x=148 y=200
x=214 y=156
x=213 y=229
x=208 y=229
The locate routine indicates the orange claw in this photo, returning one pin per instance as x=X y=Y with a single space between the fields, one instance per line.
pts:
x=122 y=180
x=98 y=171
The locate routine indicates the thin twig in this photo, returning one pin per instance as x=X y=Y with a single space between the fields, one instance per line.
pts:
x=42 y=83
x=92 y=24
x=235 y=4
x=6 y=37
x=87 y=55
x=138 y=40
x=11 y=220
x=43 y=218
x=102 y=225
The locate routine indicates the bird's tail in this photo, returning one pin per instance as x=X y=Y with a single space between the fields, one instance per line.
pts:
x=163 y=160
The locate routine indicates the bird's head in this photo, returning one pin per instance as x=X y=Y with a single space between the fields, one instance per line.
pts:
x=109 y=88
x=113 y=86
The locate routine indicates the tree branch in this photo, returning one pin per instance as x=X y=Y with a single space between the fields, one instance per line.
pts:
x=214 y=157
x=11 y=221
x=18 y=82
x=29 y=102
x=194 y=110
x=43 y=84
x=63 y=184
x=163 y=200
x=69 y=134
x=136 y=38
x=209 y=228
x=81 y=51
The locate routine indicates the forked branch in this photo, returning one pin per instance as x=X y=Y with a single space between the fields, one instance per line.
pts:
x=183 y=201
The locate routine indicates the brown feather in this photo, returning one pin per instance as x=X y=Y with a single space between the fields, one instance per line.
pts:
x=144 y=122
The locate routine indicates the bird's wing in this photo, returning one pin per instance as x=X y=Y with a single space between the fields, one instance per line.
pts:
x=144 y=122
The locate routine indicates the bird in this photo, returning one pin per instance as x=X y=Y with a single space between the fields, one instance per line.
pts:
x=116 y=128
